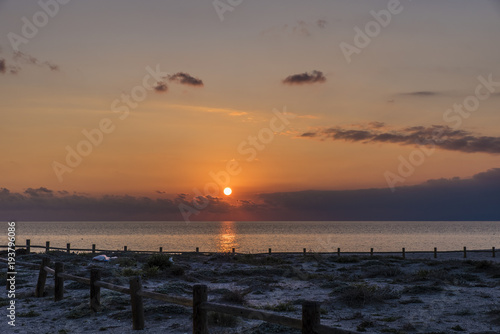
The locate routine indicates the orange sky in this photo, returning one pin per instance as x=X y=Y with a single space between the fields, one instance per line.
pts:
x=172 y=140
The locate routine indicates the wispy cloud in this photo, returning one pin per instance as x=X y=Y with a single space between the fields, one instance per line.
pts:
x=422 y=93
x=24 y=58
x=228 y=111
x=442 y=137
x=305 y=78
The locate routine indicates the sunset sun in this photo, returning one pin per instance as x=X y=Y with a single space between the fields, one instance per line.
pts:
x=227 y=191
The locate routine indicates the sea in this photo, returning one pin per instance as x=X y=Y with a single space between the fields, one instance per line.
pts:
x=258 y=237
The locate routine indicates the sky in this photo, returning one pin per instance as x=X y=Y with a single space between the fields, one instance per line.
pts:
x=317 y=110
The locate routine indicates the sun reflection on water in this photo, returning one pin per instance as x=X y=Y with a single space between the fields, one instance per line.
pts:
x=226 y=240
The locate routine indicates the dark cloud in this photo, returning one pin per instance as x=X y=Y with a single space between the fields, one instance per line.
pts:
x=4 y=68
x=39 y=192
x=435 y=200
x=185 y=79
x=160 y=87
x=305 y=78
x=440 y=136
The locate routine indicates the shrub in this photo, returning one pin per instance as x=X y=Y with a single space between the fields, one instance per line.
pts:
x=161 y=261
x=151 y=271
x=361 y=294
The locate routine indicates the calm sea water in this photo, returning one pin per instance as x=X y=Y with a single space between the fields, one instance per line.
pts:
x=259 y=236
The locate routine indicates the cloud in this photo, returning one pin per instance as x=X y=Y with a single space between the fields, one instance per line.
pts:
x=4 y=68
x=305 y=78
x=422 y=93
x=299 y=28
x=24 y=58
x=439 y=136
x=39 y=192
x=474 y=198
x=435 y=200
x=160 y=87
x=321 y=23
x=185 y=79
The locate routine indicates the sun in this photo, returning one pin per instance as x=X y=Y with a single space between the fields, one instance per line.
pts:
x=227 y=191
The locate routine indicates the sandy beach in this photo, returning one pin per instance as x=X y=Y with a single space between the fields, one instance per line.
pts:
x=369 y=294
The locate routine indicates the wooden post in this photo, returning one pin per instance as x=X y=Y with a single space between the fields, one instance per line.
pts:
x=465 y=252
x=42 y=277
x=371 y=251
x=338 y=251
x=68 y=247
x=137 y=304
x=95 y=291
x=310 y=317
x=161 y=249
x=493 y=251
x=197 y=249
x=234 y=250
x=124 y=248
x=28 y=246
x=404 y=253
x=304 y=252
x=435 y=252
x=200 y=320
x=58 y=282
x=269 y=250
x=93 y=248
x=47 y=246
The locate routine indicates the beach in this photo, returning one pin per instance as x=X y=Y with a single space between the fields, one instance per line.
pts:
x=363 y=293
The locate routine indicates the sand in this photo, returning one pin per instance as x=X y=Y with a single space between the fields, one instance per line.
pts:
x=379 y=294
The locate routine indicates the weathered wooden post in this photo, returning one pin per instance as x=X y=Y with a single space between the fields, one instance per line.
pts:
x=304 y=251
x=234 y=250
x=95 y=291
x=310 y=317
x=465 y=252
x=493 y=251
x=197 y=249
x=270 y=250
x=338 y=251
x=28 y=246
x=200 y=319
x=42 y=277
x=68 y=247
x=137 y=304
x=124 y=248
x=371 y=251
x=47 y=246
x=161 y=249
x=58 y=282
x=404 y=253
x=93 y=248
x=435 y=252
